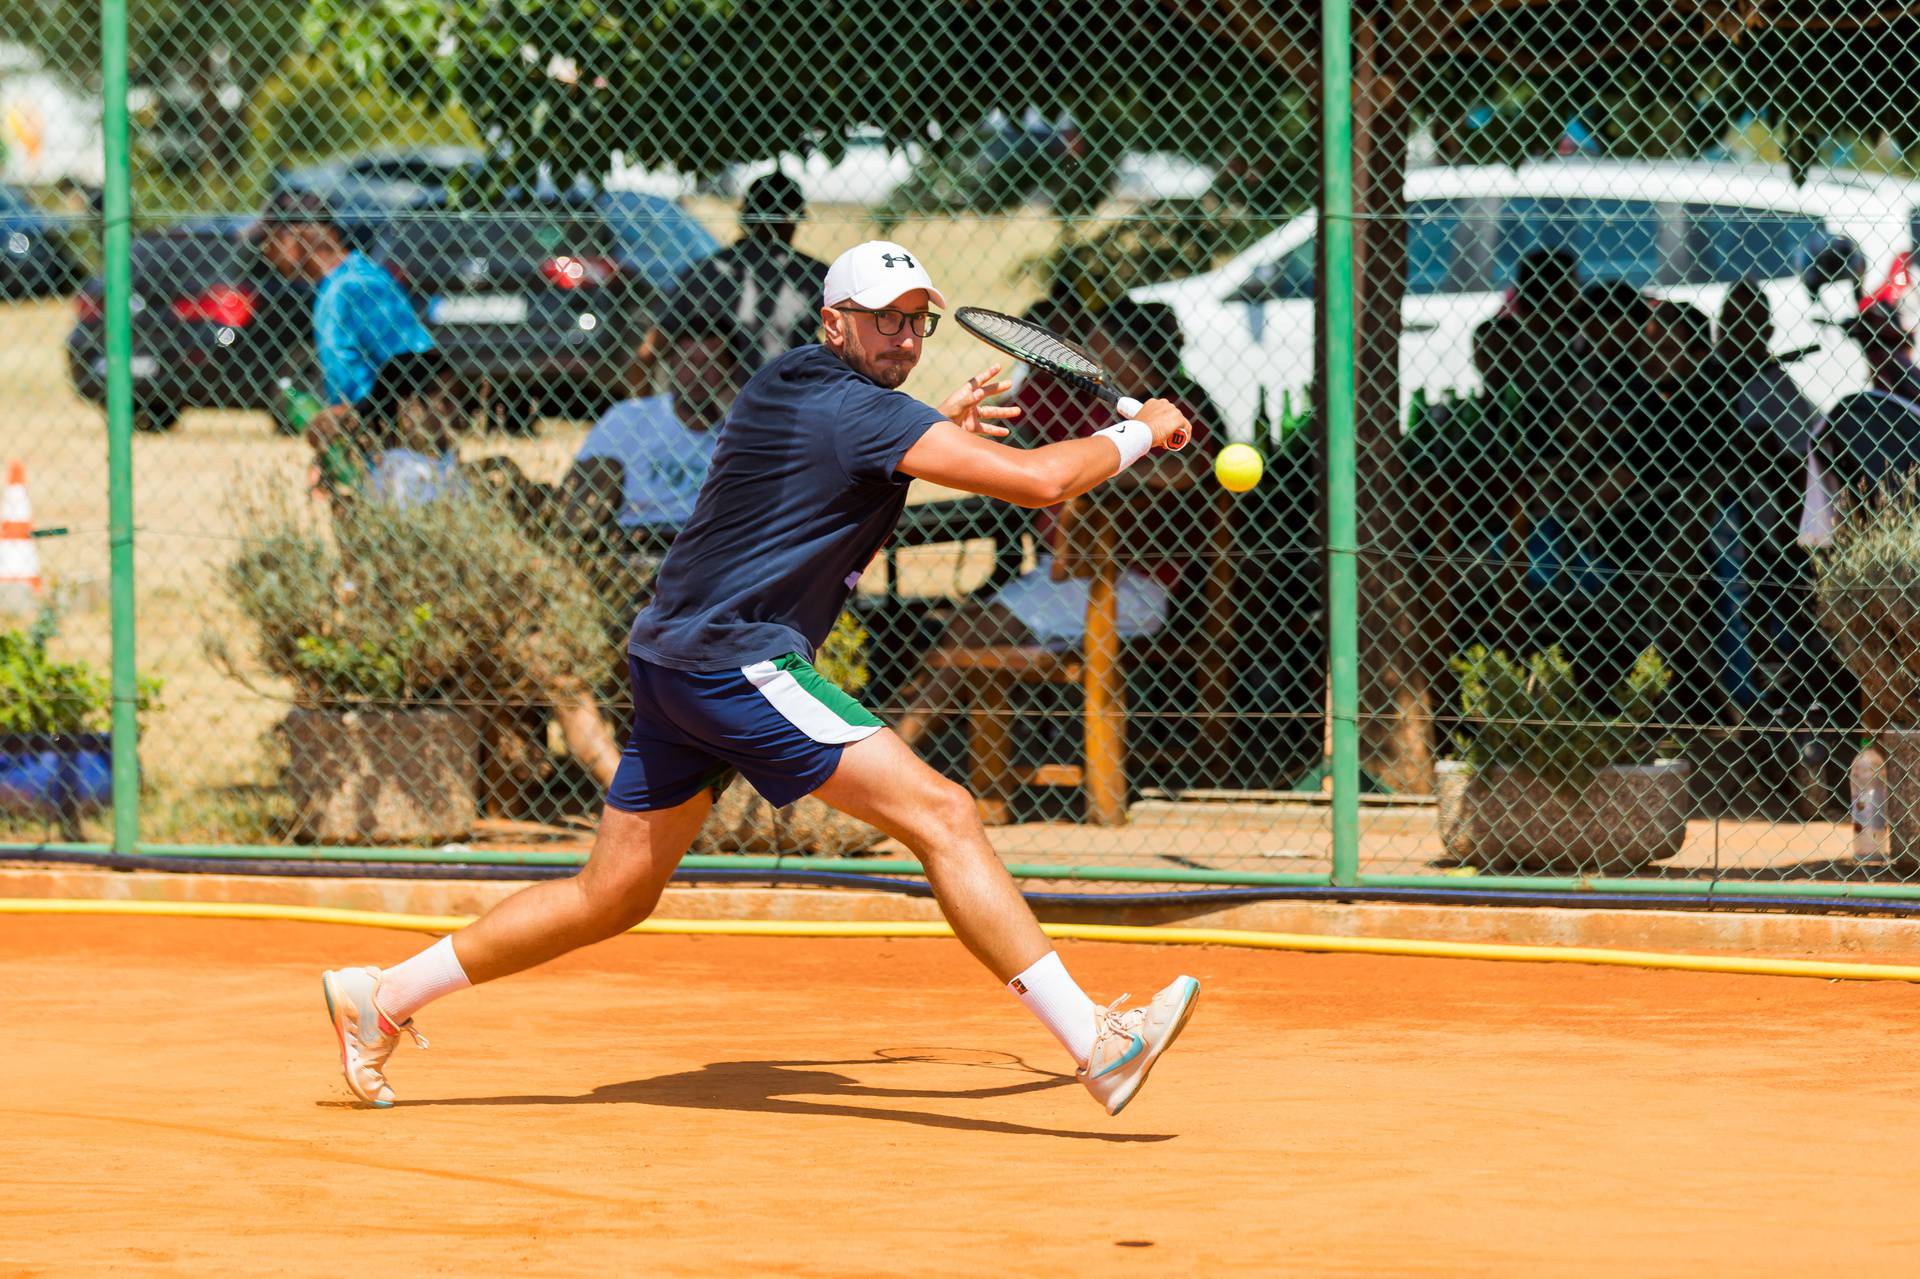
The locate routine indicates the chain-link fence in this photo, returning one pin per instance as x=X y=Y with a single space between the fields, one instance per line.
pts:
x=436 y=312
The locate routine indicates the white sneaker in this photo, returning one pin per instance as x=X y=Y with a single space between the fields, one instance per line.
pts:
x=367 y=1035
x=1130 y=1042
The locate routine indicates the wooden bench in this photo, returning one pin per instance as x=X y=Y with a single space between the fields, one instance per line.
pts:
x=1198 y=636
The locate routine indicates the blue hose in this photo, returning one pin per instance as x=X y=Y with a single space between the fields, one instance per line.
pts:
x=910 y=886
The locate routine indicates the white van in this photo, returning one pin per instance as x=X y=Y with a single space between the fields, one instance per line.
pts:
x=1679 y=230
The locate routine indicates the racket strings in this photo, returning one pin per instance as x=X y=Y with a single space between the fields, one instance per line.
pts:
x=1028 y=342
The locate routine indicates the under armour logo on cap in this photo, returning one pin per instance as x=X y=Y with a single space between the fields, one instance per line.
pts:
x=875 y=274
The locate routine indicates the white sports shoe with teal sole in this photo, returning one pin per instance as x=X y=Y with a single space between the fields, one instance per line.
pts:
x=367 y=1035
x=1130 y=1041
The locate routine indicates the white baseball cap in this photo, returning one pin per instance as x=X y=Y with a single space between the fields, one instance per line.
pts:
x=874 y=274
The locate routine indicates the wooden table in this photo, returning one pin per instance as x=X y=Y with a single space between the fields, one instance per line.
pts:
x=1180 y=510
x=1103 y=681
x=1086 y=543
x=1085 y=536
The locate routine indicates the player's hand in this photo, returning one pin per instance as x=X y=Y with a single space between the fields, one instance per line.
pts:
x=966 y=408
x=1165 y=421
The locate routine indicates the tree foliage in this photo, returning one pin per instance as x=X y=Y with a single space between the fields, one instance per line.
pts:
x=697 y=85
x=246 y=42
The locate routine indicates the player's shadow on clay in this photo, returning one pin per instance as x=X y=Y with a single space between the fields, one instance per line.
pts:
x=777 y=1087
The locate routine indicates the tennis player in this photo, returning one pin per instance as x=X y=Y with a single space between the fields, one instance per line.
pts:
x=807 y=483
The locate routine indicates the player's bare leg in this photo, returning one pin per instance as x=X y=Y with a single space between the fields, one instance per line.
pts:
x=634 y=855
x=882 y=782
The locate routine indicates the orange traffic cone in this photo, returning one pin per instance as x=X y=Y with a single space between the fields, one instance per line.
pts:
x=19 y=558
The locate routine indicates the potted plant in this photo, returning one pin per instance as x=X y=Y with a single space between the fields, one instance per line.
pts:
x=1867 y=583
x=1555 y=777
x=425 y=648
x=56 y=757
x=409 y=635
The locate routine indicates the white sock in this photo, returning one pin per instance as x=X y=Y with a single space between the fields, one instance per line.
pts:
x=410 y=986
x=1057 y=1000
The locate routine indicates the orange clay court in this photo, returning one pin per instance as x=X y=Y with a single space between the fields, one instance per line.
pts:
x=673 y=1105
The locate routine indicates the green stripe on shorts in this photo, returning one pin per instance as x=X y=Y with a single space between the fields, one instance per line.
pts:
x=829 y=694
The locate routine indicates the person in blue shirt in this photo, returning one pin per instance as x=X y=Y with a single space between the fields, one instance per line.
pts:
x=663 y=444
x=409 y=423
x=807 y=484
x=362 y=318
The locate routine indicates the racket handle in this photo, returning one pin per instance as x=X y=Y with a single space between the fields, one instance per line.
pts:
x=1131 y=407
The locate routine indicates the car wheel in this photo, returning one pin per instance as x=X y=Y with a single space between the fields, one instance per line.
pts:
x=156 y=419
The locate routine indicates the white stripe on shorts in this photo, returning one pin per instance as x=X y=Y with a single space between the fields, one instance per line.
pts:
x=801 y=708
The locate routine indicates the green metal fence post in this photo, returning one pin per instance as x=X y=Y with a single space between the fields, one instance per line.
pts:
x=116 y=245
x=1343 y=635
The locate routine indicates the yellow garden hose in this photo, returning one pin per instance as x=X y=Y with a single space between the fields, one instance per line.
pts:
x=1079 y=932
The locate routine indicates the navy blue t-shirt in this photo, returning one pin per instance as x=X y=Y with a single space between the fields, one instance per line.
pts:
x=802 y=494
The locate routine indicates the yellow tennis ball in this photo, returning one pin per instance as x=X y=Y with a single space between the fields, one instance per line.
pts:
x=1237 y=468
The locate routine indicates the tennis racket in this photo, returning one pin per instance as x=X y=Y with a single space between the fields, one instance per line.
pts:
x=1039 y=349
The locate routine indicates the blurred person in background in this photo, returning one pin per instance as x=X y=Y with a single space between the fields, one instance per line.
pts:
x=410 y=425
x=1885 y=334
x=1611 y=315
x=769 y=288
x=1549 y=409
x=362 y=318
x=1761 y=468
x=1872 y=438
x=1495 y=347
x=1712 y=490
x=654 y=450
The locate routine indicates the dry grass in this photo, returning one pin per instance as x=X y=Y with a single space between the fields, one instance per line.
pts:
x=202 y=752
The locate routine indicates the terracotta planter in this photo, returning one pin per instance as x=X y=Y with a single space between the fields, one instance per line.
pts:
x=1902 y=747
x=1625 y=818
x=381 y=777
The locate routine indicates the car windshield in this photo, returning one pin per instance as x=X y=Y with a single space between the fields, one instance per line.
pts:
x=1727 y=244
x=1475 y=246
x=440 y=244
x=1652 y=244
x=655 y=237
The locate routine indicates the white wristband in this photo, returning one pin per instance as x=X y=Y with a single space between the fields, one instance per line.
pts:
x=1133 y=439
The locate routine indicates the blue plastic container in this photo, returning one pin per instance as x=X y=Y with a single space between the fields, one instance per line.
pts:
x=64 y=776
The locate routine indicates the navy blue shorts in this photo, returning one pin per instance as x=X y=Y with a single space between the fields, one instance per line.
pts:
x=780 y=724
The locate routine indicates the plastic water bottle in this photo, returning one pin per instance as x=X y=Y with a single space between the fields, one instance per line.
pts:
x=1869 y=778
x=336 y=461
x=299 y=404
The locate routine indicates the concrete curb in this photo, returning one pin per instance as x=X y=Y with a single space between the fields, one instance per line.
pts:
x=1715 y=932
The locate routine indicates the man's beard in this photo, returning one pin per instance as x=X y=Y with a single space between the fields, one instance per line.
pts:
x=889 y=373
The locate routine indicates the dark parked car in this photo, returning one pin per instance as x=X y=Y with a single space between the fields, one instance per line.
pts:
x=539 y=307
x=213 y=327
x=34 y=261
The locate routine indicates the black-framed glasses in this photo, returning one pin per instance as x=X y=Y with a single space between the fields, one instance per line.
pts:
x=890 y=321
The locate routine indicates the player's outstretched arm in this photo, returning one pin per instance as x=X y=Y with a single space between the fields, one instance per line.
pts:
x=954 y=457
